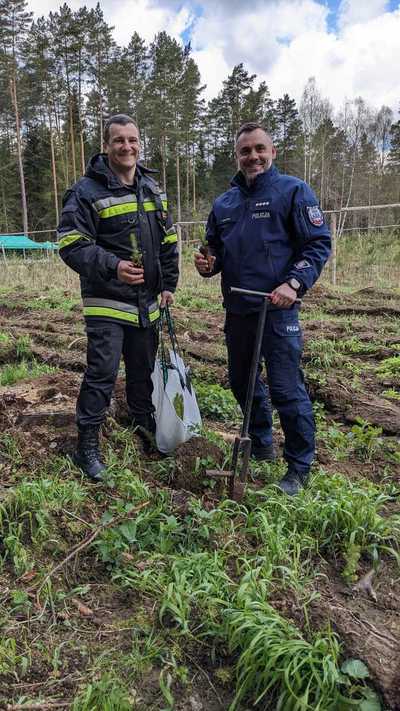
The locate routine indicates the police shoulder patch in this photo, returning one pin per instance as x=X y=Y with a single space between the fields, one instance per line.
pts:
x=303 y=264
x=315 y=215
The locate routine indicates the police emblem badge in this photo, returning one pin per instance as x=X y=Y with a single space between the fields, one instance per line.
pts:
x=315 y=215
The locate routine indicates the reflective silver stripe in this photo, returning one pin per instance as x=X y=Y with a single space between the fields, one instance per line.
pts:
x=118 y=305
x=110 y=201
x=163 y=196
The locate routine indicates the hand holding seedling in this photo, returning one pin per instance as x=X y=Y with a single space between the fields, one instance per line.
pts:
x=204 y=263
x=129 y=273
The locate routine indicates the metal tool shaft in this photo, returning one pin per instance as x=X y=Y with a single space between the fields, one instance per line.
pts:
x=265 y=294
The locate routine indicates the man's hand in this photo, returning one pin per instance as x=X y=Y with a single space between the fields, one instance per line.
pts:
x=167 y=297
x=128 y=273
x=203 y=264
x=283 y=296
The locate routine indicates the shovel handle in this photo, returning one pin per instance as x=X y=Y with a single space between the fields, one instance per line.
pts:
x=265 y=294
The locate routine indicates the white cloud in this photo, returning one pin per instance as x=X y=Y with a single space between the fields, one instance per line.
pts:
x=128 y=16
x=352 y=12
x=213 y=69
x=284 y=42
x=254 y=35
x=359 y=62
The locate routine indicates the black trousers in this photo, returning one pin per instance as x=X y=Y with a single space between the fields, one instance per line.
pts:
x=107 y=341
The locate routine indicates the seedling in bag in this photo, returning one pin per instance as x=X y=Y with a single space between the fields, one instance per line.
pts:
x=178 y=405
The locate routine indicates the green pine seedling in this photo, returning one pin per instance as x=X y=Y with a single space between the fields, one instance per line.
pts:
x=137 y=257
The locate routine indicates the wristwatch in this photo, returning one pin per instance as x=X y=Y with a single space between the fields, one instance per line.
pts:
x=294 y=284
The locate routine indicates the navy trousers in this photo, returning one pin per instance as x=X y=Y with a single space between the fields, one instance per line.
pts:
x=107 y=342
x=281 y=349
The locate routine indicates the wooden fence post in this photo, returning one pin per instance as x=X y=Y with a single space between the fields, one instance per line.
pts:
x=333 y=237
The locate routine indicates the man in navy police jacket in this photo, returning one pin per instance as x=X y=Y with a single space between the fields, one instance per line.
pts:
x=267 y=233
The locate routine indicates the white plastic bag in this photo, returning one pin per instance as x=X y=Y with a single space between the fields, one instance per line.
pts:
x=172 y=429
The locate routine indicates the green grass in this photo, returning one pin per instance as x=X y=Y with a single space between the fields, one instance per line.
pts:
x=216 y=402
x=196 y=578
x=104 y=694
x=14 y=372
x=389 y=369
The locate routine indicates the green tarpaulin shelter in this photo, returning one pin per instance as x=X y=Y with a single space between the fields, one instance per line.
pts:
x=23 y=242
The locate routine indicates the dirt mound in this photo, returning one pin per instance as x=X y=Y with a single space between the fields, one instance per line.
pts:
x=40 y=415
x=191 y=461
x=351 y=405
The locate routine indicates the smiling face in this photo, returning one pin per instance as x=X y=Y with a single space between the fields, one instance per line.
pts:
x=122 y=148
x=255 y=153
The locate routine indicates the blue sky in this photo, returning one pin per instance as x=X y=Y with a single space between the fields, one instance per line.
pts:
x=351 y=47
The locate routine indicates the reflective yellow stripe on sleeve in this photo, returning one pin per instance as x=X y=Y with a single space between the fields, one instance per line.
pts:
x=70 y=238
x=170 y=239
x=154 y=315
x=150 y=206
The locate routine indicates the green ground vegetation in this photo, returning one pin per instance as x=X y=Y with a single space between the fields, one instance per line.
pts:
x=133 y=591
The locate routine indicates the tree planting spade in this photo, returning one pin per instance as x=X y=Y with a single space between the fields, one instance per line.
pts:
x=237 y=475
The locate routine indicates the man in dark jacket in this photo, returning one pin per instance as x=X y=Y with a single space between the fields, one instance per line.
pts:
x=267 y=233
x=115 y=231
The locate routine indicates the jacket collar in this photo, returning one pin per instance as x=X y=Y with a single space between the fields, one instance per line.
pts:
x=99 y=169
x=262 y=181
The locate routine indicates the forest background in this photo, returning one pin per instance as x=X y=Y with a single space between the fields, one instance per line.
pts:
x=61 y=76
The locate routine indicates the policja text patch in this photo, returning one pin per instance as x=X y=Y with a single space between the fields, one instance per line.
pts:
x=315 y=215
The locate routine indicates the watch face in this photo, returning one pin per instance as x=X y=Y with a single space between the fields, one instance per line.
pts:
x=294 y=284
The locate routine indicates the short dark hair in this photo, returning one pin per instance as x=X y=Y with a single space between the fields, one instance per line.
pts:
x=250 y=126
x=121 y=120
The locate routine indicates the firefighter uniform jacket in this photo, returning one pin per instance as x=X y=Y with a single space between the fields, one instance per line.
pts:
x=103 y=222
x=264 y=234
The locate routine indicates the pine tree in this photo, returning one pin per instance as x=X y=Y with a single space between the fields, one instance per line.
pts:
x=14 y=25
x=287 y=135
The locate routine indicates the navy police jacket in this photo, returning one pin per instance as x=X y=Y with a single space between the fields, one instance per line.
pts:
x=264 y=234
x=104 y=221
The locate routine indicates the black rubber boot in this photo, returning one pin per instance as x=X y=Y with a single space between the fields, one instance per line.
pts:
x=263 y=453
x=293 y=482
x=145 y=428
x=87 y=454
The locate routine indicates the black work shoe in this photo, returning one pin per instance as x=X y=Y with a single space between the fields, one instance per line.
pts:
x=87 y=454
x=263 y=453
x=293 y=482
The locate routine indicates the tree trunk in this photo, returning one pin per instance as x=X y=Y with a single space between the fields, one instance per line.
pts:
x=194 y=181
x=83 y=164
x=101 y=122
x=71 y=128
x=13 y=90
x=322 y=182
x=163 y=162
x=187 y=179
x=178 y=186
x=53 y=169
x=3 y=197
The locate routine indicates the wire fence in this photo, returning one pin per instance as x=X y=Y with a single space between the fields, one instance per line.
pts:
x=193 y=232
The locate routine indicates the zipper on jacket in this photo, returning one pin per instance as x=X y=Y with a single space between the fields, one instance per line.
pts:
x=241 y=234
